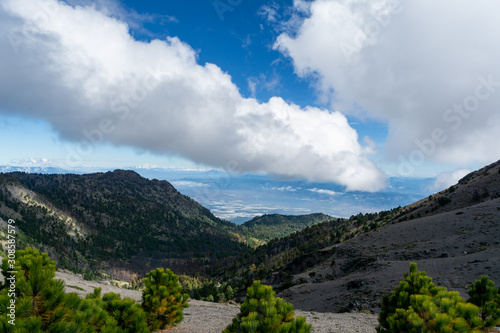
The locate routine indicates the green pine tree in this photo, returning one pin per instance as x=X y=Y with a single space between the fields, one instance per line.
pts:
x=162 y=299
x=484 y=294
x=414 y=282
x=38 y=293
x=128 y=314
x=41 y=303
x=229 y=292
x=418 y=305
x=262 y=312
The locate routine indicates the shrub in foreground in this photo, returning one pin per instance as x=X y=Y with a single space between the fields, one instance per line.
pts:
x=127 y=313
x=484 y=295
x=41 y=305
x=262 y=312
x=418 y=305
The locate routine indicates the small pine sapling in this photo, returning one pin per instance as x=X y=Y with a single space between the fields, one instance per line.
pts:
x=418 y=305
x=484 y=295
x=162 y=299
x=262 y=312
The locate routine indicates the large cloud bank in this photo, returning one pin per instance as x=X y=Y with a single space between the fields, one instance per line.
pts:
x=81 y=71
x=428 y=68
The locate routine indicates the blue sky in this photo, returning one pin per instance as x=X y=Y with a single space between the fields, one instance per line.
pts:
x=343 y=91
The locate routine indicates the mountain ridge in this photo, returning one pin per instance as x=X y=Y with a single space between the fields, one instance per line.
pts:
x=264 y=228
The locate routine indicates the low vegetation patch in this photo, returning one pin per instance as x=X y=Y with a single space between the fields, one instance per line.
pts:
x=262 y=312
x=442 y=201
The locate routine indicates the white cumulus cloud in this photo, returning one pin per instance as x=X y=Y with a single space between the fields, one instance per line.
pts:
x=82 y=71
x=429 y=69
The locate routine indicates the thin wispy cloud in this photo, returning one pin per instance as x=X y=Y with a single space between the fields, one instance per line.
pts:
x=281 y=188
x=323 y=191
x=263 y=83
x=188 y=183
x=447 y=179
x=270 y=12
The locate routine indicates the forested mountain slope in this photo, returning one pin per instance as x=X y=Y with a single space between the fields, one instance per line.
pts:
x=115 y=221
x=121 y=223
x=262 y=229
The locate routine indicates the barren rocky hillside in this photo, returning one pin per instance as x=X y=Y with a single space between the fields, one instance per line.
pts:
x=455 y=248
x=476 y=187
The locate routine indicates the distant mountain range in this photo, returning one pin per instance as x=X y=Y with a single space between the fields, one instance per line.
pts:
x=37 y=169
x=241 y=198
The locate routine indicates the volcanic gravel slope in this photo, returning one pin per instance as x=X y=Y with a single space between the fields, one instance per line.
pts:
x=454 y=248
